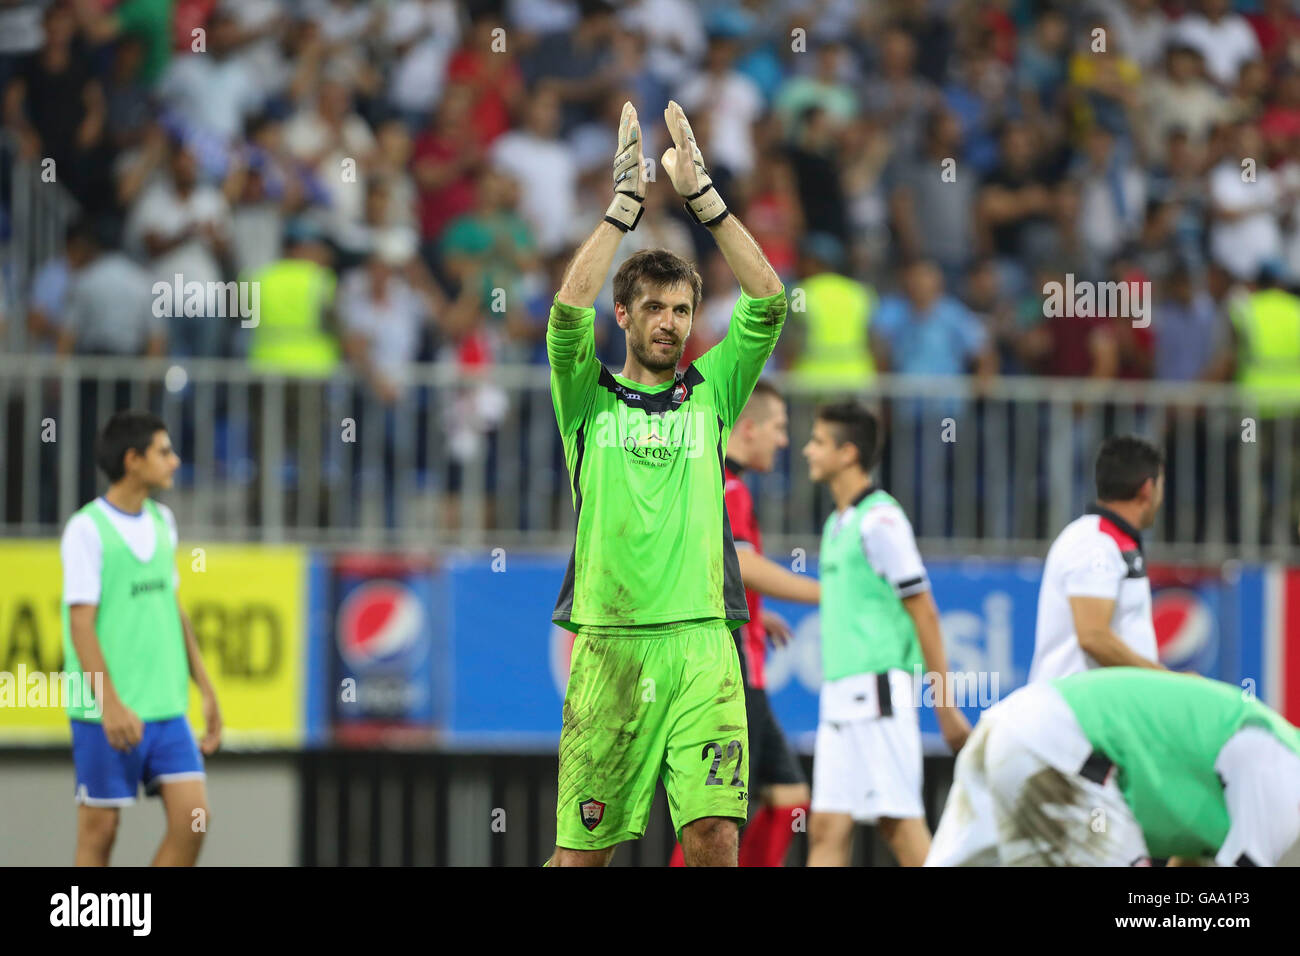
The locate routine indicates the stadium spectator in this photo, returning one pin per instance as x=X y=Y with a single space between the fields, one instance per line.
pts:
x=1064 y=159
x=1266 y=323
x=1250 y=92
x=1179 y=99
x=150 y=21
x=273 y=186
x=47 y=308
x=1224 y=39
x=540 y=164
x=383 y=315
x=1103 y=82
x=485 y=64
x=726 y=103
x=22 y=33
x=262 y=33
x=825 y=86
x=674 y=32
x=295 y=332
x=181 y=227
x=421 y=36
x=55 y=106
x=933 y=203
x=445 y=163
x=774 y=215
x=1040 y=65
x=927 y=332
x=1009 y=328
x=1016 y=203
x=578 y=65
x=1245 y=197
x=1280 y=122
x=1192 y=338
x=212 y=88
x=1177 y=206
x=1277 y=28
x=828 y=343
x=1139 y=27
x=333 y=140
x=343 y=23
x=128 y=104
x=1112 y=198
x=814 y=156
x=898 y=95
x=110 y=302
x=492 y=246
x=981 y=95
x=1067 y=344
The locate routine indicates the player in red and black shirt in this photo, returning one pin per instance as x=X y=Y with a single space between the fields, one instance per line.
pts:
x=775 y=777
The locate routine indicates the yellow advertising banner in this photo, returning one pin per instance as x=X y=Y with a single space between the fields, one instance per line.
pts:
x=248 y=606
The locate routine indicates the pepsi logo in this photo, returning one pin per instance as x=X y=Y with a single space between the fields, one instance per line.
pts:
x=1186 y=629
x=378 y=621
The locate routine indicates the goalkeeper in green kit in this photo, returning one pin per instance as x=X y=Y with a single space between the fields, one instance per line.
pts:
x=653 y=587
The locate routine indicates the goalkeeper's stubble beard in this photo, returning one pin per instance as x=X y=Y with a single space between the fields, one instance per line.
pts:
x=652 y=355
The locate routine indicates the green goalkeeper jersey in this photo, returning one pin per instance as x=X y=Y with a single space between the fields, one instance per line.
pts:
x=646 y=472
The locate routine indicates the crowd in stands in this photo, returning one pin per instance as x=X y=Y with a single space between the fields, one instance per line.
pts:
x=406 y=180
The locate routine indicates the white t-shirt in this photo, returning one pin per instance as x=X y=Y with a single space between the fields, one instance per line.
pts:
x=547 y=178
x=734 y=103
x=215 y=95
x=1242 y=245
x=83 y=551
x=306 y=135
x=674 y=35
x=391 y=328
x=1224 y=45
x=162 y=210
x=1093 y=557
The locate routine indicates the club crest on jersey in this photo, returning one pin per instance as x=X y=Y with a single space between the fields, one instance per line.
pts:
x=591 y=812
x=679 y=393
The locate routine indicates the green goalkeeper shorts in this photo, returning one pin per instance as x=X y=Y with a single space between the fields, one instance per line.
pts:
x=647 y=703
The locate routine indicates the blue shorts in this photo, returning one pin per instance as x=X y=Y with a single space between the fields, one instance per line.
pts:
x=111 y=778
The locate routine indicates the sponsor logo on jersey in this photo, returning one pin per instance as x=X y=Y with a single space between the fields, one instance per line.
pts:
x=655 y=438
x=591 y=812
x=144 y=587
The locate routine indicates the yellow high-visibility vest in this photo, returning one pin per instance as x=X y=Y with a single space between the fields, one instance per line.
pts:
x=1268 y=359
x=290 y=334
x=837 y=312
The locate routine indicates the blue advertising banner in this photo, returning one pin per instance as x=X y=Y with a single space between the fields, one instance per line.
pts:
x=387 y=659
x=510 y=664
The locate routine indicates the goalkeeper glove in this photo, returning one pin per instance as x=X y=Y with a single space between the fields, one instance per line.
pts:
x=629 y=185
x=685 y=167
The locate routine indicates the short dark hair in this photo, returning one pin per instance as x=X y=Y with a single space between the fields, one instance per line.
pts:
x=659 y=267
x=763 y=389
x=853 y=423
x=1124 y=462
x=125 y=431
